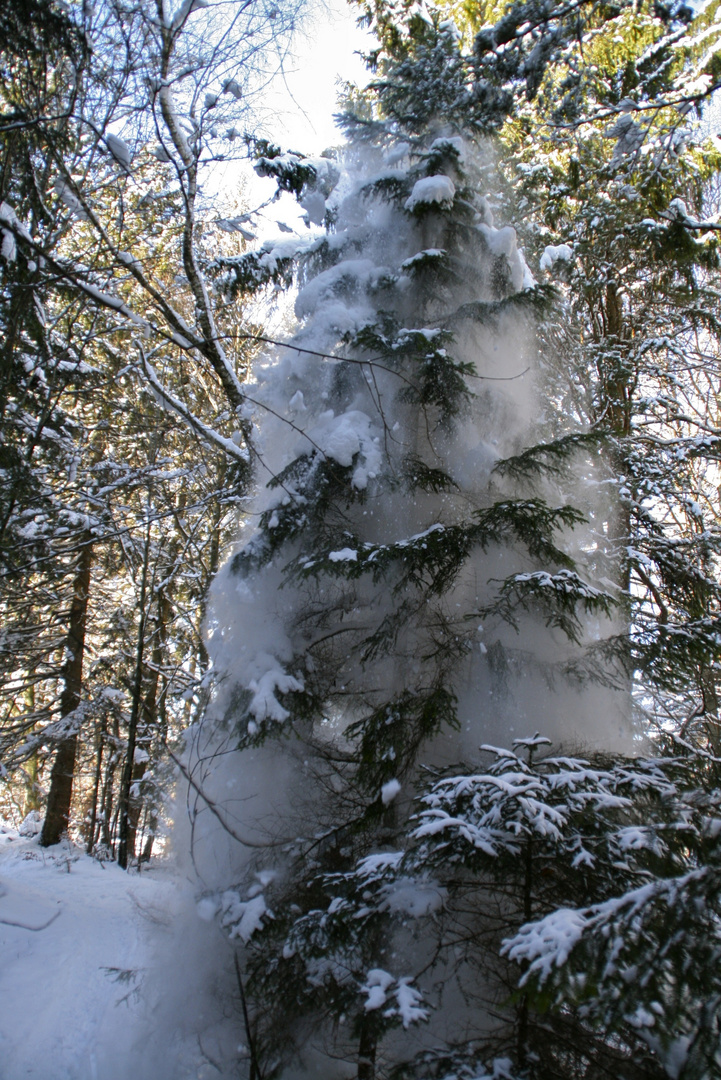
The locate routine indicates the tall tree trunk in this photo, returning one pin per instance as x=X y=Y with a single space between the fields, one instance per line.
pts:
x=617 y=383
x=32 y=779
x=57 y=814
x=150 y=714
x=367 y=1048
x=32 y=784
x=99 y=746
x=124 y=847
x=106 y=801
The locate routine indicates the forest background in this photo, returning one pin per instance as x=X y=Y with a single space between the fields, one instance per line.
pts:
x=571 y=902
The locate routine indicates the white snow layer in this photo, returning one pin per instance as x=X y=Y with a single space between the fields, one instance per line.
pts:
x=119 y=149
x=397 y=153
x=503 y=242
x=343 y=437
x=432 y=189
x=407 y=896
x=389 y=791
x=378 y=989
x=271 y=679
x=553 y=254
x=104 y=974
x=343 y=555
x=243 y=917
x=8 y=250
x=348 y=273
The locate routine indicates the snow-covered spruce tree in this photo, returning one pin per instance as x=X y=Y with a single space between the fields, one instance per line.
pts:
x=615 y=100
x=371 y=623
x=501 y=844
x=624 y=982
x=636 y=970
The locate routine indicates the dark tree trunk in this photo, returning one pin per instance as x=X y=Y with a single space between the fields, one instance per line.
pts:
x=135 y=805
x=367 y=1048
x=106 y=802
x=124 y=846
x=99 y=744
x=148 y=847
x=710 y=699
x=57 y=814
x=149 y=718
x=32 y=778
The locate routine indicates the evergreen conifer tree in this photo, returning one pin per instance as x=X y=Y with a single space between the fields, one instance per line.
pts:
x=637 y=967
x=610 y=95
x=398 y=596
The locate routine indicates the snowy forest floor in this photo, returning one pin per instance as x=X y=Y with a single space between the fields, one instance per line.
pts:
x=109 y=975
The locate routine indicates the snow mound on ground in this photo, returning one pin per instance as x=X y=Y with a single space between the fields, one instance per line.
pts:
x=106 y=975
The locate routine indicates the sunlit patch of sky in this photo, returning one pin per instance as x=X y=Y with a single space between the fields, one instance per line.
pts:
x=303 y=99
x=297 y=108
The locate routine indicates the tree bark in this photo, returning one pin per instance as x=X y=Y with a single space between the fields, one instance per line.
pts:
x=99 y=746
x=106 y=801
x=367 y=1048
x=57 y=814
x=151 y=707
x=32 y=777
x=124 y=848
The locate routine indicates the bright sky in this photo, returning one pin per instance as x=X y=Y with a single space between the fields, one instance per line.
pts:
x=297 y=108
x=304 y=102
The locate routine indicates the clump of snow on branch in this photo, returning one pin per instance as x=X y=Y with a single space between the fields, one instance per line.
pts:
x=242 y=918
x=380 y=985
x=553 y=254
x=431 y=189
x=350 y=438
x=389 y=791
